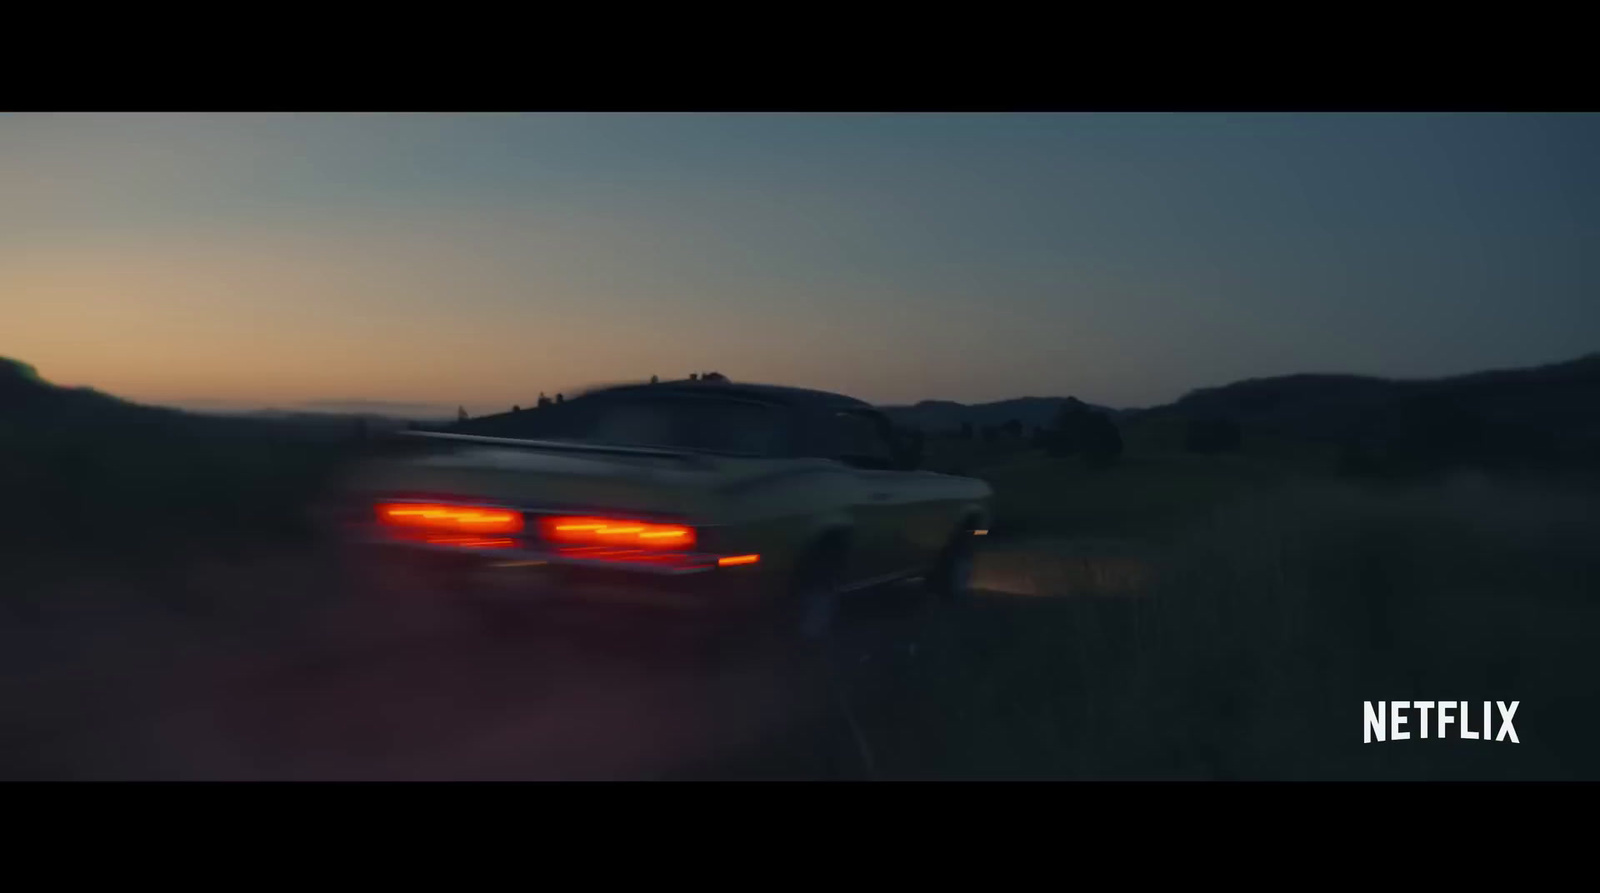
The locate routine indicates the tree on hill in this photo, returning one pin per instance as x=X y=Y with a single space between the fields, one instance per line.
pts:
x=1080 y=431
x=1064 y=435
x=543 y=401
x=654 y=380
x=1103 y=442
x=713 y=376
x=515 y=408
x=461 y=414
x=694 y=376
x=560 y=399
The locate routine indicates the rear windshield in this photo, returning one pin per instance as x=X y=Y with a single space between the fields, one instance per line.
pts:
x=699 y=424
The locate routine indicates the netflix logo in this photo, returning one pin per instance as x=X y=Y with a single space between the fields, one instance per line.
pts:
x=1388 y=720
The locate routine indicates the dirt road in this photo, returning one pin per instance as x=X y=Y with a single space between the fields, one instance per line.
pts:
x=262 y=669
x=96 y=693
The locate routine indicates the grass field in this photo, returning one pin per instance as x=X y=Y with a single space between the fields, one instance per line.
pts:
x=1192 y=617
x=1174 y=616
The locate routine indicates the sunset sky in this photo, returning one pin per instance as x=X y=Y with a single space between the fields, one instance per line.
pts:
x=297 y=260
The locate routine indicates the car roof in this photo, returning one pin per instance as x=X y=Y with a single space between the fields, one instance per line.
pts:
x=766 y=393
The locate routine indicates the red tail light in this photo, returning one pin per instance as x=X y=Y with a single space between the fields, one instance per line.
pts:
x=451 y=519
x=581 y=531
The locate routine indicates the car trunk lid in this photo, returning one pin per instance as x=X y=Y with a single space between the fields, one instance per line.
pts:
x=542 y=474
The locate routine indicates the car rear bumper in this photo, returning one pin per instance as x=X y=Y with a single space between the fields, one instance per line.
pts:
x=701 y=564
x=518 y=577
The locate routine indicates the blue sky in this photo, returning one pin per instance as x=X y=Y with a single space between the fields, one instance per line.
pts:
x=481 y=259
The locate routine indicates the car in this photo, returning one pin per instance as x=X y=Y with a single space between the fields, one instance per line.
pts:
x=727 y=499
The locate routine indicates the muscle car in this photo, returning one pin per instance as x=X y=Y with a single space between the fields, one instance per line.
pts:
x=751 y=500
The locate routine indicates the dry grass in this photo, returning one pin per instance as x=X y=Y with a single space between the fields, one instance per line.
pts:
x=1060 y=566
x=1264 y=626
x=1269 y=604
x=1275 y=619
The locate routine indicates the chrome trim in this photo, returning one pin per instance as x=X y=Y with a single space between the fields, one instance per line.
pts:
x=548 y=557
x=375 y=497
x=488 y=503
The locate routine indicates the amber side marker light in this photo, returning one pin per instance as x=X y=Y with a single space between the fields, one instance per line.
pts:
x=732 y=560
x=980 y=533
x=451 y=518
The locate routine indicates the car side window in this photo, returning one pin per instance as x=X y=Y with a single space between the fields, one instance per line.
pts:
x=860 y=439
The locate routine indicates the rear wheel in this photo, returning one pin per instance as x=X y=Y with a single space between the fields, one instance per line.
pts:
x=811 y=605
x=951 y=579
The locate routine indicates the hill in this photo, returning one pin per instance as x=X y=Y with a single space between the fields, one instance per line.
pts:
x=944 y=415
x=30 y=403
x=1532 y=416
x=1336 y=405
x=930 y=415
x=26 y=398
x=174 y=479
x=1549 y=412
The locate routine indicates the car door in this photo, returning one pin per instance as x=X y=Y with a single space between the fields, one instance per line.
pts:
x=862 y=440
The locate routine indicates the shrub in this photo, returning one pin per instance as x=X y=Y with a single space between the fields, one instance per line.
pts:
x=1079 y=431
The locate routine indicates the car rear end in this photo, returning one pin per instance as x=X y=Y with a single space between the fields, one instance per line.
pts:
x=531 y=554
x=540 y=522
